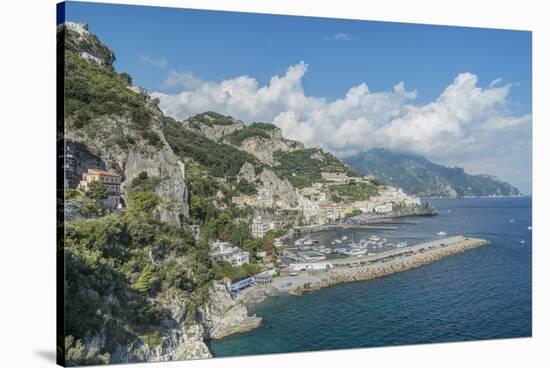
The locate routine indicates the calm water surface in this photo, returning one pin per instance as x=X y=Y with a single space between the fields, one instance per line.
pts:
x=484 y=293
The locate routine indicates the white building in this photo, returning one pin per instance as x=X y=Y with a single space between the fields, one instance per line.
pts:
x=224 y=252
x=264 y=198
x=86 y=56
x=80 y=28
x=383 y=208
x=314 y=266
x=260 y=226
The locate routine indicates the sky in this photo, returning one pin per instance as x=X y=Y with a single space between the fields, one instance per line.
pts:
x=458 y=96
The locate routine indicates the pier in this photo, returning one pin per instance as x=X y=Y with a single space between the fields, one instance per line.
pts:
x=377 y=265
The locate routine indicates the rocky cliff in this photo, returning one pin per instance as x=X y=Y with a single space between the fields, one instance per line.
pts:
x=223 y=316
x=179 y=338
x=263 y=141
x=212 y=125
x=110 y=124
x=267 y=179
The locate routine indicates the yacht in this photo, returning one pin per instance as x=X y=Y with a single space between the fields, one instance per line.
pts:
x=442 y=233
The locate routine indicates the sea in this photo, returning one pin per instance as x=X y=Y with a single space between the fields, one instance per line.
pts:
x=484 y=293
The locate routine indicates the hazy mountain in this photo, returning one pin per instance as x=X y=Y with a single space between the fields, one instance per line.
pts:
x=420 y=176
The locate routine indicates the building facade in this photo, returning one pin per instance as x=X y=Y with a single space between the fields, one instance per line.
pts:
x=111 y=181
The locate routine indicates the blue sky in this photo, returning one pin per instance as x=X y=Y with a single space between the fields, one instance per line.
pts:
x=154 y=43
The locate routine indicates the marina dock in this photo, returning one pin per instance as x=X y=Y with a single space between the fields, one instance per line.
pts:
x=377 y=265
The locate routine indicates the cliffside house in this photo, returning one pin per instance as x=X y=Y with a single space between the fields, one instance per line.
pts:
x=244 y=200
x=224 y=252
x=260 y=226
x=87 y=56
x=334 y=177
x=110 y=179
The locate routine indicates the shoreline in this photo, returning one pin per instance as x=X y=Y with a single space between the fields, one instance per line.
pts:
x=365 y=268
x=388 y=263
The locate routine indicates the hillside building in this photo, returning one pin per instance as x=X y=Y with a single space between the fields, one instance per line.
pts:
x=111 y=181
x=260 y=226
x=224 y=252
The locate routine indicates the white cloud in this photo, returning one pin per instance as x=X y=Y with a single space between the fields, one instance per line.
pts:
x=183 y=80
x=464 y=123
x=158 y=62
x=339 y=37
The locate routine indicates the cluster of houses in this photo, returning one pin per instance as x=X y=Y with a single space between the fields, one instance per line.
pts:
x=264 y=199
x=317 y=207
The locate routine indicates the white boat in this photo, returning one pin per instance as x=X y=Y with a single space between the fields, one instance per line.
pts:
x=529 y=228
x=338 y=241
x=401 y=244
x=442 y=233
x=345 y=237
x=512 y=220
x=522 y=242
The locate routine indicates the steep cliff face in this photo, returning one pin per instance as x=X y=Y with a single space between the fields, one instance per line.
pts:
x=212 y=125
x=113 y=125
x=223 y=316
x=179 y=339
x=281 y=188
x=264 y=147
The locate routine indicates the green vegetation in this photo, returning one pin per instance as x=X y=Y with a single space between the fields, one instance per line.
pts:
x=210 y=118
x=303 y=167
x=93 y=91
x=219 y=159
x=253 y=130
x=114 y=264
x=353 y=191
x=224 y=269
x=353 y=213
x=96 y=190
x=144 y=183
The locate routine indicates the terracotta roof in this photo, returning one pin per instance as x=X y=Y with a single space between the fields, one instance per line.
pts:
x=102 y=172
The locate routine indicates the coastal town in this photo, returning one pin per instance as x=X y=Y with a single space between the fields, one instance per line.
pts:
x=294 y=254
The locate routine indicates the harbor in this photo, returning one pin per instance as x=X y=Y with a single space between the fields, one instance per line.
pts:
x=308 y=276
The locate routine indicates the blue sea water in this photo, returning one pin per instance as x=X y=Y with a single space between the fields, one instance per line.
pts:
x=483 y=293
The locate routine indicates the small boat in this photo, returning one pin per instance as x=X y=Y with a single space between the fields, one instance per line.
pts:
x=294 y=273
x=338 y=241
x=511 y=220
x=529 y=228
x=333 y=242
x=401 y=244
x=522 y=242
x=345 y=237
x=441 y=233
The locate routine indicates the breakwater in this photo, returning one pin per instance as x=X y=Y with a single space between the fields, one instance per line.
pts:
x=387 y=263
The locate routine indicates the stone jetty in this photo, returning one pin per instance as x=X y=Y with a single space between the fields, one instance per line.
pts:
x=387 y=263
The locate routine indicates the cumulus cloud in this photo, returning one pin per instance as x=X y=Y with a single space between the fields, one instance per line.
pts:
x=465 y=123
x=158 y=62
x=339 y=37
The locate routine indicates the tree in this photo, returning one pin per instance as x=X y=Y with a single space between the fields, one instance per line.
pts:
x=197 y=207
x=96 y=190
x=126 y=77
x=143 y=283
x=141 y=205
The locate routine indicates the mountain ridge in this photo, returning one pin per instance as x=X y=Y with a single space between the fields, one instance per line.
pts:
x=417 y=175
